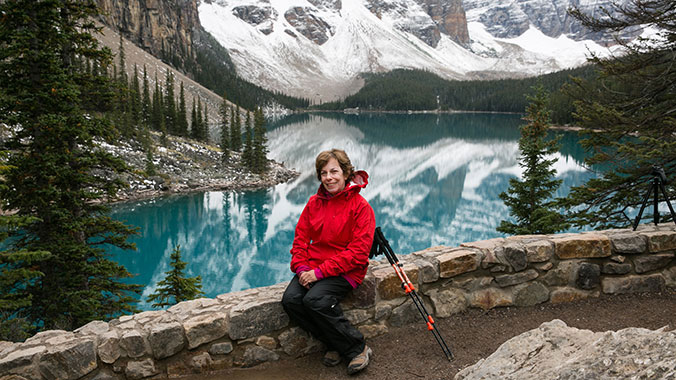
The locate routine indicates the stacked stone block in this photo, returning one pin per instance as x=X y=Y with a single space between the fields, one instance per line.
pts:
x=250 y=327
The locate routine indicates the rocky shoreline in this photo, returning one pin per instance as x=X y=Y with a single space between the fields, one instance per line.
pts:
x=182 y=166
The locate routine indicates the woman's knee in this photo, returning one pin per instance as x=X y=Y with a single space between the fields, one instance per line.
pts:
x=319 y=302
x=292 y=299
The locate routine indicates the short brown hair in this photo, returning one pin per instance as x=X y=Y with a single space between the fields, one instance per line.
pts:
x=340 y=156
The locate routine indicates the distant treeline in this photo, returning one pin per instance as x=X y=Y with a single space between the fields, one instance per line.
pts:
x=421 y=90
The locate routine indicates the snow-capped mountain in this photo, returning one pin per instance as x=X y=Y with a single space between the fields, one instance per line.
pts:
x=317 y=48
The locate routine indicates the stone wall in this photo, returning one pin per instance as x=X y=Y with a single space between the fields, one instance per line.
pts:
x=250 y=327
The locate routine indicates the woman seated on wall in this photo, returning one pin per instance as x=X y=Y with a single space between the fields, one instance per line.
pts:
x=330 y=257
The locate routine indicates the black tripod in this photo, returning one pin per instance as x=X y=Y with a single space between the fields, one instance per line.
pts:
x=659 y=179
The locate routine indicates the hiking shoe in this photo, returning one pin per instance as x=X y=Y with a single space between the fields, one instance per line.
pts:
x=360 y=361
x=331 y=358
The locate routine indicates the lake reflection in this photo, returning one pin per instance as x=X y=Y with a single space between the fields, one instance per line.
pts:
x=434 y=180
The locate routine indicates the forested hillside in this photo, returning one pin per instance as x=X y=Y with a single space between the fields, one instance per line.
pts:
x=420 y=90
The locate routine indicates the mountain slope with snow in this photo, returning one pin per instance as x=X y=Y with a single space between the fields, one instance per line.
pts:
x=317 y=48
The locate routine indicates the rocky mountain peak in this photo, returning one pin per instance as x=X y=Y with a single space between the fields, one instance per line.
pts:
x=262 y=17
x=426 y=19
x=310 y=25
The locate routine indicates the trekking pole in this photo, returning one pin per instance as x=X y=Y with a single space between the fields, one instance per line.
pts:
x=382 y=246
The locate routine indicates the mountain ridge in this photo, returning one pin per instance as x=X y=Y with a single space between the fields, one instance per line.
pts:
x=324 y=45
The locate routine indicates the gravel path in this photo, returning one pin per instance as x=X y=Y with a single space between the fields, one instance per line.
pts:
x=410 y=352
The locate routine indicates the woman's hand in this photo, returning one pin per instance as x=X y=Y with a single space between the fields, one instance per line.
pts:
x=307 y=278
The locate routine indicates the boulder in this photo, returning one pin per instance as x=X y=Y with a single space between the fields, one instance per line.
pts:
x=140 y=369
x=250 y=319
x=205 y=328
x=556 y=351
x=166 y=339
x=582 y=246
x=69 y=361
x=256 y=355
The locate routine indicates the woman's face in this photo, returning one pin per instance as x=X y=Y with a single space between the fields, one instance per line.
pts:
x=332 y=176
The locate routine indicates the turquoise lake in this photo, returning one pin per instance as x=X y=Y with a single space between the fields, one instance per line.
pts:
x=434 y=180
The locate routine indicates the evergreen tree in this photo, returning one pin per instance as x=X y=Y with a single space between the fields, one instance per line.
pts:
x=124 y=118
x=170 y=118
x=235 y=130
x=225 y=133
x=627 y=114
x=135 y=98
x=51 y=179
x=194 y=124
x=197 y=127
x=157 y=114
x=260 y=150
x=146 y=106
x=204 y=136
x=176 y=287
x=182 y=114
x=529 y=200
x=247 y=152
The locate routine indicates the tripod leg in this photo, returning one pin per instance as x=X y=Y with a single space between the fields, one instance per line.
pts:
x=645 y=199
x=666 y=198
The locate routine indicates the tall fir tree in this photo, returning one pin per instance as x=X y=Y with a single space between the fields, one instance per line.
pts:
x=124 y=117
x=146 y=105
x=530 y=200
x=135 y=88
x=157 y=114
x=197 y=127
x=170 y=114
x=54 y=176
x=204 y=133
x=176 y=287
x=247 y=152
x=225 y=132
x=236 y=130
x=182 y=114
x=193 y=119
x=260 y=150
x=627 y=114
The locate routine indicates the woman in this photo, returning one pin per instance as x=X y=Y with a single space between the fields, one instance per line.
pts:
x=330 y=258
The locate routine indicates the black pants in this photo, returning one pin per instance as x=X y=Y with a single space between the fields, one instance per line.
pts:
x=317 y=311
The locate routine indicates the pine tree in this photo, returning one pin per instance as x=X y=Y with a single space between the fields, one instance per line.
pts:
x=197 y=127
x=157 y=115
x=225 y=133
x=627 y=114
x=135 y=98
x=194 y=124
x=51 y=178
x=170 y=118
x=236 y=130
x=260 y=150
x=176 y=287
x=247 y=152
x=146 y=106
x=530 y=200
x=182 y=114
x=205 y=125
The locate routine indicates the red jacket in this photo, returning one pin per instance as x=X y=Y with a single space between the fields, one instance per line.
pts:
x=334 y=234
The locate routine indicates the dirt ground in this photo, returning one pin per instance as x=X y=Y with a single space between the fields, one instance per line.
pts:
x=410 y=352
